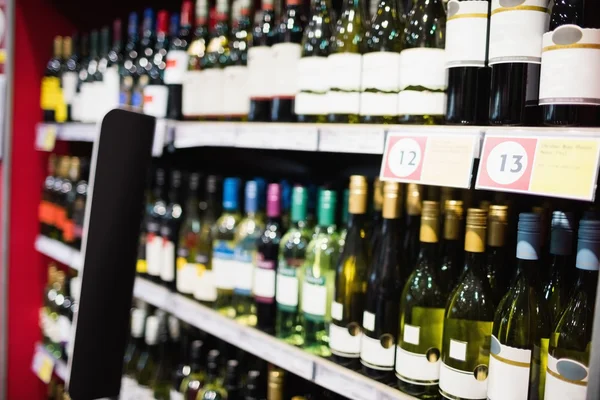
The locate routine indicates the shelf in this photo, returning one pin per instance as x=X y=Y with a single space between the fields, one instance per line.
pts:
x=59 y=251
x=44 y=364
x=321 y=371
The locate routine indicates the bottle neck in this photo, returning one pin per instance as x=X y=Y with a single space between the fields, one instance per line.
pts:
x=428 y=254
x=475 y=265
x=191 y=207
x=587 y=281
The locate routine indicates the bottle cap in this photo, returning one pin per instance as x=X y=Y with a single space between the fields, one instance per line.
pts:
x=414 y=194
x=176 y=178
x=392 y=193
x=529 y=223
x=561 y=234
x=529 y=236
x=251 y=200
x=196 y=349
x=358 y=194
x=213 y=356
x=327 y=203
x=589 y=230
x=162 y=22
x=299 y=201
x=273 y=200
x=453 y=214
x=497 y=225
x=261 y=185
x=286 y=195
x=377 y=194
x=159 y=177
x=231 y=188
x=137 y=322
x=429 y=222
x=152 y=323
x=75 y=288
x=476 y=229
x=133 y=22
x=194 y=182
x=186 y=13
x=212 y=184
x=588 y=245
x=174 y=328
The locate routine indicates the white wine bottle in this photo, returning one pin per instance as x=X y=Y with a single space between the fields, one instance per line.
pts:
x=468 y=321
x=422 y=315
x=521 y=329
x=570 y=342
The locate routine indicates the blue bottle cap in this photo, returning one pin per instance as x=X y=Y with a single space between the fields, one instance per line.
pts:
x=133 y=22
x=251 y=197
x=231 y=188
x=286 y=195
x=261 y=187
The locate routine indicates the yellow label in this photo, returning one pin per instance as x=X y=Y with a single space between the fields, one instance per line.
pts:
x=200 y=268
x=141 y=267
x=45 y=370
x=565 y=168
x=181 y=261
x=49 y=138
x=61 y=107
x=49 y=92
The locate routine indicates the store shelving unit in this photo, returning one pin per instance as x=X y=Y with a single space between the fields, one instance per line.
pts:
x=321 y=371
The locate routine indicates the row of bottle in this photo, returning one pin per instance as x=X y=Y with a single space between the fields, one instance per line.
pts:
x=423 y=66
x=64 y=194
x=61 y=297
x=166 y=360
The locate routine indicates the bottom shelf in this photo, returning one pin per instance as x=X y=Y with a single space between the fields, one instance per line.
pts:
x=319 y=370
x=45 y=364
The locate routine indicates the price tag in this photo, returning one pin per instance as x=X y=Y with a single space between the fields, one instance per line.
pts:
x=352 y=139
x=43 y=364
x=558 y=167
x=340 y=382
x=198 y=134
x=300 y=137
x=45 y=137
x=430 y=158
x=257 y=136
x=160 y=137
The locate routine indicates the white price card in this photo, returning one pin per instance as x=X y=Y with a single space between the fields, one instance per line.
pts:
x=160 y=136
x=45 y=137
x=199 y=134
x=152 y=293
x=365 y=139
x=43 y=364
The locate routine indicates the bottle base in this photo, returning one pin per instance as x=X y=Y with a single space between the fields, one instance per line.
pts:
x=350 y=363
x=386 y=377
x=378 y=119
x=343 y=118
x=421 y=119
x=419 y=391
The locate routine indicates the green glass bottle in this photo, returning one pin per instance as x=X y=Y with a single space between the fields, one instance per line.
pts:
x=213 y=388
x=344 y=228
x=319 y=278
x=519 y=344
x=450 y=249
x=161 y=381
x=344 y=63
x=190 y=385
x=422 y=312
x=351 y=274
x=422 y=98
x=133 y=351
x=292 y=253
x=148 y=360
x=571 y=340
x=497 y=272
x=468 y=320
x=223 y=263
x=380 y=80
x=187 y=265
x=246 y=241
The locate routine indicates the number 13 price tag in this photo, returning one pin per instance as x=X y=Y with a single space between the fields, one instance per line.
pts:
x=506 y=163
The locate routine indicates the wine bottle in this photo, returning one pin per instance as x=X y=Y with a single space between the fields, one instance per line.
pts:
x=51 y=90
x=84 y=58
x=496 y=268
x=380 y=318
x=223 y=263
x=266 y=261
x=114 y=61
x=423 y=82
x=564 y=12
x=292 y=253
x=89 y=80
x=311 y=99
x=555 y=289
x=286 y=55
x=319 y=278
x=375 y=231
x=144 y=60
x=246 y=238
x=192 y=81
x=422 y=307
x=68 y=77
x=213 y=388
x=275 y=384
x=190 y=386
x=410 y=242
x=128 y=70
x=156 y=214
x=450 y=249
x=177 y=61
x=161 y=381
x=468 y=320
x=237 y=101
x=205 y=290
x=148 y=360
x=46 y=207
x=60 y=184
x=155 y=92
x=351 y=281
x=169 y=230
x=380 y=65
x=519 y=345
x=344 y=63
x=254 y=387
x=571 y=340
x=343 y=231
x=261 y=64
x=515 y=52
x=187 y=267
x=466 y=61
x=70 y=196
x=180 y=343
x=217 y=57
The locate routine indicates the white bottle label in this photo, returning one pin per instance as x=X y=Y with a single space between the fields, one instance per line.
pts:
x=287 y=290
x=186 y=277
x=312 y=85
x=64 y=329
x=508 y=372
x=224 y=271
x=314 y=299
x=128 y=388
x=344 y=70
x=112 y=83
x=566 y=379
x=213 y=82
x=205 y=288
x=516 y=31
x=378 y=353
x=344 y=343
x=86 y=97
x=177 y=63
x=69 y=86
x=264 y=283
x=380 y=83
x=144 y=393
x=174 y=395
x=191 y=94
x=236 y=95
x=337 y=310
x=155 y=100
x=76 y=107
x=261 y=67
x=244 y=273
x=570 y=59
x=369 y=321
x=286 y=57
x=463 y=384
x=466 y=33
x=417 y=368
x=167 y=270
x=154 y=256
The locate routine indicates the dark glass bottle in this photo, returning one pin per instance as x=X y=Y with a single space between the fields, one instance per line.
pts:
x=129 y=66
x=192 y=384
x=450 y=249
x=115 y=55
x=498 y=272
x=143 y=63
x=155 y=219
x=410 y=241
x=51 y=82
x=47 y=206
x=189 y=235
x=70 y=66
x=236 y=101
x=169 y=230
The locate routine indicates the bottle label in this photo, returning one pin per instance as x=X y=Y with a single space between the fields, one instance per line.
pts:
x=337 y=310
x=566 y=379
x=64 y=328
x=423 y=81
x=418 y=369
x=192 y=103
x=516 y=32
x=344 y=341
x=264 y=280
x=167 y=270
x=508 y=372
x=177 y=63
x=154 y=257
x=287 y=287
x=187 y=273
x=50 y=93
x=223 y=264
x=314 y=298
x=463 y=384
x=380 y=83
x=237 y=98
x=144 y=393
x=175 y=395
x=378 y=353
x=344 y=70
x=213 y=83
x=570 y=48
x=111 y=90
x=466 y=33
x=286 y=57
x=205 y=288
x=369 y=321
x=128 y=388
x=69 y=86
x=588 y=255
x=313 y=86
x=155 y=100
x=243 y=272
x=261 y=69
